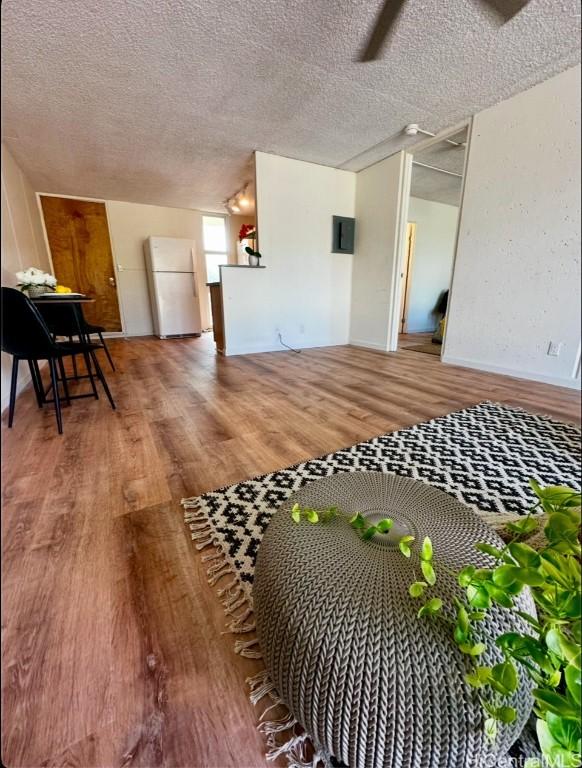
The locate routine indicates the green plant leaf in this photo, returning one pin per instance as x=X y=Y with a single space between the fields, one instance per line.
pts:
x=506 y=714
x=312 y=516
x=490 y=728
x=404 y=545
x=358 y=521
x=428 y=572
x=426 y=550
x=478 y=597
x=460 y=636
x=473 y=650
x=545 y=738
x=499 y=595
x=566 y=733
x=504 y=678
x=431 y=608
x=525 y=555
x=369 y=532
x=531 y=577
x=505 y=575
x=462 y=618
x=466 y=575
x=385 y=525
x=556 y=567
x=573 y=677
x=296 y=513
x=479 y=677
x=559 y=644
x=550 y=701
x=417 y=589
x=522 y=527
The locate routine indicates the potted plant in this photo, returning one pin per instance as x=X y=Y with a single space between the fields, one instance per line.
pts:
x=248 y=232
x=35 y=282
x=548 y=564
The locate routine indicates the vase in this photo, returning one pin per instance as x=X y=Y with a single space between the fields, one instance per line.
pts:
x=33 y=291
x=254 y=261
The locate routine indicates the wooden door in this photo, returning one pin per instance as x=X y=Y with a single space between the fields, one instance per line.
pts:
x=78 y=237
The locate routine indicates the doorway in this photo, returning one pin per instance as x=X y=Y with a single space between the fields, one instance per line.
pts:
x=429 y=248
x=406 y=273
x=78 y=238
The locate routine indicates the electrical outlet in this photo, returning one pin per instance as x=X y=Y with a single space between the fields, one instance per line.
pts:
x=555 y=348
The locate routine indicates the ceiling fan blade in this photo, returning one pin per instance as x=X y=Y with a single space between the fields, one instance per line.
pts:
x=386 y=18
x=506 y=9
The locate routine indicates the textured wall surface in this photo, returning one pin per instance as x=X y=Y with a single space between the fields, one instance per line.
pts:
x=517 y=273
x=163 y=101
x=432 y=264
x=23 y=243
x=304 y=292
x=378 y=192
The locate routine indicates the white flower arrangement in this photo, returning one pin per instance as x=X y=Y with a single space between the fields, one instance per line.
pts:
x=33 y=276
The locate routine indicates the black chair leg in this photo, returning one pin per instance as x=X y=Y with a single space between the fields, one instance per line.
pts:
x=36 y=382
x=102 y=340
x=55 y=383
x=74 y=360
x=39 y=379
x=102 y=378
x=13 y=385
x=90 y=374
x=64 y=380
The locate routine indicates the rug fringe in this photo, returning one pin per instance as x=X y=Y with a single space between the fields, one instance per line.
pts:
x=238 y=607
x=248 y=648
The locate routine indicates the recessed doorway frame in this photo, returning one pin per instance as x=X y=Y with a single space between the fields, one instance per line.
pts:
x=395 y=313
x=108 y=334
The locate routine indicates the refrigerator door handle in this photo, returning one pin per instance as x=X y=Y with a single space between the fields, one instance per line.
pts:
x=194 y=291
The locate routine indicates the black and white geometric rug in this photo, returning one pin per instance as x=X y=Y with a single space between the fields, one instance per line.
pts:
x=483 y=456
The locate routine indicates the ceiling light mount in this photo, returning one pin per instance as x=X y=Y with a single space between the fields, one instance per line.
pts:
x=413 y=129
x=240 y=202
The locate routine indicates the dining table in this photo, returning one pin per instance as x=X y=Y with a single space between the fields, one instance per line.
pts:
x=75 y=301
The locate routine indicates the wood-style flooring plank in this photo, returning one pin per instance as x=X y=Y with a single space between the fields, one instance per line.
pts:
x=112 y=647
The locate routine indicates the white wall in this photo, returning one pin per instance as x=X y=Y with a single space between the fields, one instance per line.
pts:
x=378 y=231
x=516 y=283
x=304 y=292
x=22 y=244
x=129 y=225
x=432 y=263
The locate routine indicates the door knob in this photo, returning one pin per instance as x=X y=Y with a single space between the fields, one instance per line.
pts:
x=112 y=281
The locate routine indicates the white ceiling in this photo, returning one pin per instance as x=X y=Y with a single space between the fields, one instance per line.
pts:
x=163 y=101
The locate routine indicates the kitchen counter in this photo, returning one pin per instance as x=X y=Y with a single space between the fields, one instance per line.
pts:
x=216 y=304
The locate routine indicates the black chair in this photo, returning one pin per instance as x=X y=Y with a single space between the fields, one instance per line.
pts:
x=26 y=336
x=69 y=322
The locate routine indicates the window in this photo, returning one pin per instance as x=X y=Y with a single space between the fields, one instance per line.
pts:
x=215 y=250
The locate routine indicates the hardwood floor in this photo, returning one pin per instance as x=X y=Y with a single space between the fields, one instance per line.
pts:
x=112 y=650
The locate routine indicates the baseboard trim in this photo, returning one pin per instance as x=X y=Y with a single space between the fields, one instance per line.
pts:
x=367 y=345
x=276 y=347
x=556 y=381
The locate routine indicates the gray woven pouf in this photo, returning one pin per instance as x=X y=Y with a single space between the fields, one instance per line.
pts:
x=372 y=683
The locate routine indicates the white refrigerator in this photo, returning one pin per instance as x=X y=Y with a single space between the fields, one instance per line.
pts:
x=171 y=270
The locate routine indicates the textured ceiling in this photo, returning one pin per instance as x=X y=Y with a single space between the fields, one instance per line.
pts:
x=163 y=101
x=434 y=185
